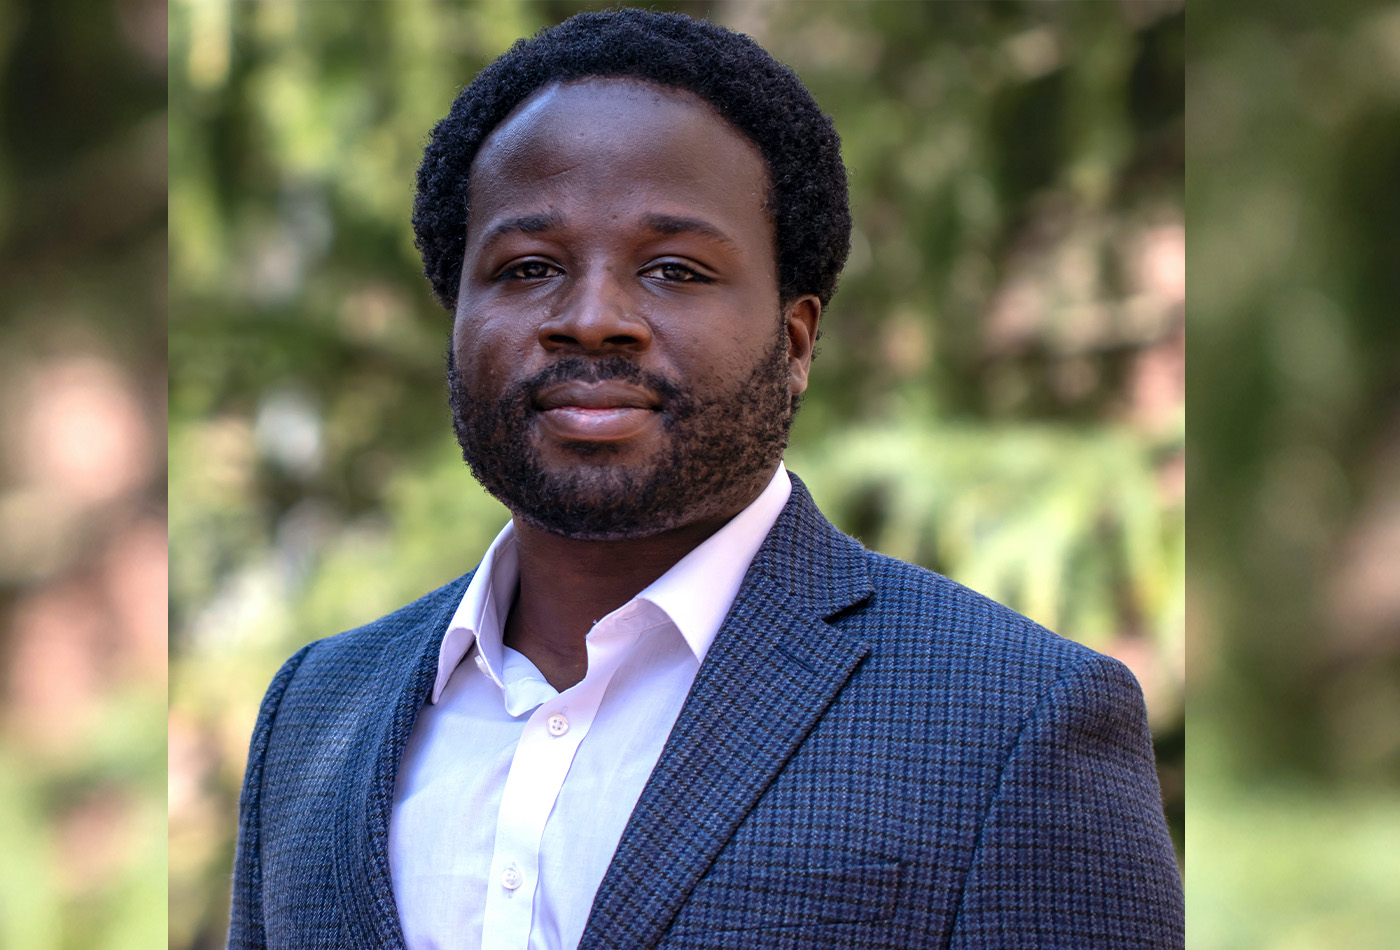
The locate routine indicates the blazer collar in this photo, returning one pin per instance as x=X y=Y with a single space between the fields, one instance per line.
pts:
x=824 y=570
x=408 y=662
x=774 y=668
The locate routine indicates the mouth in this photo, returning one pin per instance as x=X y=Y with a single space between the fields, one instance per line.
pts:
x=606 y=411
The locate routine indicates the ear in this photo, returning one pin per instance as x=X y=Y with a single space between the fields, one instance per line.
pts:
x=801 y=318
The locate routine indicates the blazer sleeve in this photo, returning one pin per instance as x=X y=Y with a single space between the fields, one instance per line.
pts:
x=1074 y=852
x=246 y=931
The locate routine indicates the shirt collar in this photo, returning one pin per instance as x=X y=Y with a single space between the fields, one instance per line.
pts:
x=696 y=593
x=481 y=616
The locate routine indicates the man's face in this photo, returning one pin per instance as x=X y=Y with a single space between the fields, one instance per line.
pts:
x=620 y=366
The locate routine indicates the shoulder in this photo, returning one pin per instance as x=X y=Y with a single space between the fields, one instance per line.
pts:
x=367 y=658
x=915 y=603
x=332 y=700
x=930 y=638
x=964 y=644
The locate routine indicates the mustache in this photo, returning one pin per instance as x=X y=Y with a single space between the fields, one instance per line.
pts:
x=675 y=401
x=670 y=397
x=577 y=369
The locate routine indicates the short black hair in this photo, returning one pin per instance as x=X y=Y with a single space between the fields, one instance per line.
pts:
x=743 y=83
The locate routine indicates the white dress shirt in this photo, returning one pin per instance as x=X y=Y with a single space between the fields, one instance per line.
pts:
x=511 y=796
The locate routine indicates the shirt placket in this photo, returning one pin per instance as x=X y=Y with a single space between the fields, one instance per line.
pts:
x=541 y=762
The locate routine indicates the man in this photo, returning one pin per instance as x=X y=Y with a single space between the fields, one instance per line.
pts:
x=673 y=706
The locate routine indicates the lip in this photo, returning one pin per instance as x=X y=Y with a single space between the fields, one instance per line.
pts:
x=608 y=394
x=607 y=411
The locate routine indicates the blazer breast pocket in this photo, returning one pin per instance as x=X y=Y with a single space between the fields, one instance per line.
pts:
x=778 y=896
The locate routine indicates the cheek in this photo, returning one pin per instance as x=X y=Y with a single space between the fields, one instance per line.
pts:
x=724 y=335
x=488 y=355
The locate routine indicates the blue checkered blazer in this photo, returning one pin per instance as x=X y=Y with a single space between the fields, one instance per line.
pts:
x=871 y=757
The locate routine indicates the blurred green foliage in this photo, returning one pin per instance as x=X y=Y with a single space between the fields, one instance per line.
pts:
x=1296 y=126
x=998 y=391
x=1294 y=638
x=82 y=519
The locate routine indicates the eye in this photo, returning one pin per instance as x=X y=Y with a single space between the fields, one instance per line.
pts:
x=528 y=270
x=675 y=272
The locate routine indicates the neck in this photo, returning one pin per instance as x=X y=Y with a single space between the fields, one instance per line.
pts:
x=567 y=585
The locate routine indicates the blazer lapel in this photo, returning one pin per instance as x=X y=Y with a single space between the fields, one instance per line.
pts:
x=773 y=669
x=369 y=913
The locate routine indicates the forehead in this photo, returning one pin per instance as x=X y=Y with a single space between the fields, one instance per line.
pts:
x=622 y=138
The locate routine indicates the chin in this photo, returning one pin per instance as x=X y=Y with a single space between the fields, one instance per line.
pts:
x=617 y=503
x=593 y=529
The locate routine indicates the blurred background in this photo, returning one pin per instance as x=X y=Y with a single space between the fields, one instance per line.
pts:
x=1293 y=824
x=998 y=393
x=1003 y=366
x=82 y=466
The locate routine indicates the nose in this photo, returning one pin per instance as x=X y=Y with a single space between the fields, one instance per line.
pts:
x=598 y=316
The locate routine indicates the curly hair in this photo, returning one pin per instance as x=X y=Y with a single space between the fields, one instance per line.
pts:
x=737 y=77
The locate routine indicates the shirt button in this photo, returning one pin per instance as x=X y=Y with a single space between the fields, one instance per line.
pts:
x=511 y=878
x=481 y=662
x=557 y=725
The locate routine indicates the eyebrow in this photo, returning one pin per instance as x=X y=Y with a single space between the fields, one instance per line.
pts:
x=675 y=224
x=659 y=223
x=527 y=224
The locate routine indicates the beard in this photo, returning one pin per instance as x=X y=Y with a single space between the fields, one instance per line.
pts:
x=713 y=449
